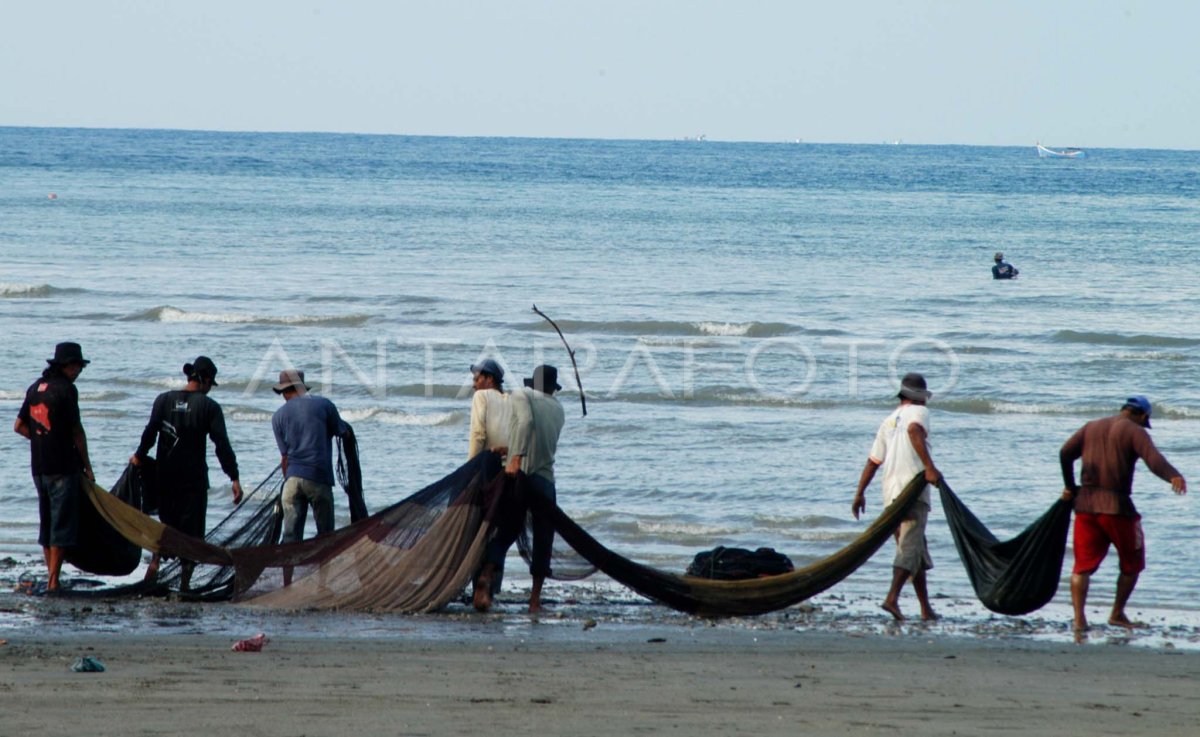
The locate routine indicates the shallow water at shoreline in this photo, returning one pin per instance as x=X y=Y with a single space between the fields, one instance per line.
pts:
x=579 y=612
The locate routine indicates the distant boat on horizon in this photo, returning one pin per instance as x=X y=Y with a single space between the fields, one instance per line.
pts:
x=1060 y=153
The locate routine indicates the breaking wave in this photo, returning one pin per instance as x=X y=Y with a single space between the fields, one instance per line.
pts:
x=167 y=313
x=29 y=291
x=677 y=327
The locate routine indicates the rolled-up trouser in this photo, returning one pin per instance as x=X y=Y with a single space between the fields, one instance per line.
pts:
x=58 y=509
x=298 y=495
x=912 y=550
x=533 y=496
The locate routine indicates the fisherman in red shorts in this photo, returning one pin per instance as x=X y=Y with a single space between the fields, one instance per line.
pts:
x=1104 y=511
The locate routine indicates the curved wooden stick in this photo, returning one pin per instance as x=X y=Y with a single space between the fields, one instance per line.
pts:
x=571 y=353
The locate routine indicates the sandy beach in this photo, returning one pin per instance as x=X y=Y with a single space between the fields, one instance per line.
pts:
x=507 y=674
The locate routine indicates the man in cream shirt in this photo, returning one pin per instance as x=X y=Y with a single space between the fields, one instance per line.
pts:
x=491 y=414
x=902 y=448
x=537 y=422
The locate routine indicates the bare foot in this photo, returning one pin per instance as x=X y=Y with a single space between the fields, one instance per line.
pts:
x=1080 y=632
x=483 y=594
x=929 y=616
x=1120 y=620
x=893 y=610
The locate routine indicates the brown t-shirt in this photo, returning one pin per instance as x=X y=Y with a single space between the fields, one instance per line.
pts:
x=1109 y=448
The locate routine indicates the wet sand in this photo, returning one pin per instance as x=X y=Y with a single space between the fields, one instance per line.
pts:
x=505 y=674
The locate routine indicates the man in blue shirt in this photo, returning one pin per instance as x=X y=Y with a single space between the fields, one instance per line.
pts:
x=1003 y=270
x=304 y=430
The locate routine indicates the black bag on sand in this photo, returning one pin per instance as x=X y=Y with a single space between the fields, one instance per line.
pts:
x=731 y=564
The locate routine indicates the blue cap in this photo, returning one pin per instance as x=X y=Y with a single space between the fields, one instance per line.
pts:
x=488 y=366
x=1140 y=404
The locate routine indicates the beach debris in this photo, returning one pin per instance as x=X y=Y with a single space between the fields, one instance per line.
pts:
x=30 y=585
x=657 y=639
x=87 y=664
x=3 y=643
x=250 y=644
x=589 y=624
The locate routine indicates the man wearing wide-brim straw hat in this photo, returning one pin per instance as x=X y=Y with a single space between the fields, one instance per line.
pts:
x=49 y=418
x=181 y=422
x=902 y=448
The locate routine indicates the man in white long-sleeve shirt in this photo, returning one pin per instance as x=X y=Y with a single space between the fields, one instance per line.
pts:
x=537 y=422
x=491 y=416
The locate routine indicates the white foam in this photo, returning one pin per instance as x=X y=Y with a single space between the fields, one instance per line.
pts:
x=728 y=329
x=24 y=290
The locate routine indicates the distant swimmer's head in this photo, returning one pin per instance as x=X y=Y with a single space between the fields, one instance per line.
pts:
x=999 y=256
x=912 y=388
x=1139 y=410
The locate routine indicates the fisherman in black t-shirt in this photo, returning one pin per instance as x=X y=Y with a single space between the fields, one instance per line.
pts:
x=49 y=417
x=182 y=421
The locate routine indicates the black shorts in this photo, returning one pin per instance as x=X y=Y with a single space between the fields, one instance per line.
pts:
x=59 y=497
x=184 y=508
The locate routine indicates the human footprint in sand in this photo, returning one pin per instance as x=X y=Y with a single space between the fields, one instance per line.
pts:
x=1104 y=511
x=902 y=449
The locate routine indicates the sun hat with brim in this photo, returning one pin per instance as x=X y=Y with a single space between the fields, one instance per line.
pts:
x=288 y=379
x=66 y=354
x=203 y=367
x=543 y=376
x=912 y=387
x=1139 y=404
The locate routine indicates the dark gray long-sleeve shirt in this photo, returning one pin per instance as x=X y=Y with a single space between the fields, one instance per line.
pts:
x=182 y=421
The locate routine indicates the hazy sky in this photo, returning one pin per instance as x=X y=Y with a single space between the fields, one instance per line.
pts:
x=1098 y=74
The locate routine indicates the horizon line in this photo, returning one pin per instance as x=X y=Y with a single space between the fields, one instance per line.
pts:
x=698 y=139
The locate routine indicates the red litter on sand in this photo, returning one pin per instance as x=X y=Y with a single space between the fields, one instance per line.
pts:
x=250 y=644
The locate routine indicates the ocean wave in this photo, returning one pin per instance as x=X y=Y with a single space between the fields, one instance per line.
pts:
x=1141 y=356
x=398 y=417
x=167 y=313
x=381 y=415
x=30 y=291
x=704 y=328
x=1094 y=338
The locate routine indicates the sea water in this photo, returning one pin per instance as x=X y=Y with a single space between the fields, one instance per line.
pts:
x=740 y=313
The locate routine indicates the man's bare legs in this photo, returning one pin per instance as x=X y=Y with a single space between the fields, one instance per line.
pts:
x=922 y=591
x=54 y=559
x=1125 y=584
x=535 y=596
x=152 y=569
x=891 y=604
x=483 y=588
x=1079 y=592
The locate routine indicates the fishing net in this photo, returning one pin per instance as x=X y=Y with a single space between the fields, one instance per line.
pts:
x=1014 y=576
x=420 y=553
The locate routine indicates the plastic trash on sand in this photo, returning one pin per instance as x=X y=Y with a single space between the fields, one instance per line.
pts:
x=250 y=644
x=87 y=664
